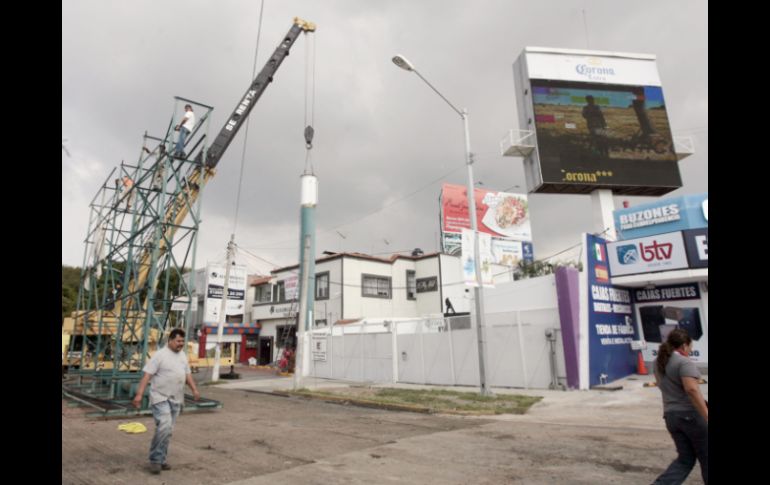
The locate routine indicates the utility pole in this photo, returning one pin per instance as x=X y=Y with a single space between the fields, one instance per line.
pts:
x=223 y=308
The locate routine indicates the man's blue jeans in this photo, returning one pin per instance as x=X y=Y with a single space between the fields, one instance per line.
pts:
x=691 y=437
x=183 y=132
x=165 y=414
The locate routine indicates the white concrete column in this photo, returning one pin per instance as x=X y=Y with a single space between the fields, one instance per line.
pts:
x=602 y=207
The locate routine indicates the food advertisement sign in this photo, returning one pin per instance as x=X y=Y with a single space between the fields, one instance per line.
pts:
x=502 y=215
x=499 y=214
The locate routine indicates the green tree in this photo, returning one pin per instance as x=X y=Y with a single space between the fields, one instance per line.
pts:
x=70 y=281
x=526 y=269
x=113 y=274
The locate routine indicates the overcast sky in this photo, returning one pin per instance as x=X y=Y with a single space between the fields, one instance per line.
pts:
x=384 y=141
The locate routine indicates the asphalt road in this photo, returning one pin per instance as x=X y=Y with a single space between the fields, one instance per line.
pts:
x=586 y=437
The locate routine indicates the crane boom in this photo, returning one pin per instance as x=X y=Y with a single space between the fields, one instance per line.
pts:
x=258 y=86
x=178 y=207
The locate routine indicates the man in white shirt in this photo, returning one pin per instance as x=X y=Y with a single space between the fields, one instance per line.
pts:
x=167 y=372
x=184 y=128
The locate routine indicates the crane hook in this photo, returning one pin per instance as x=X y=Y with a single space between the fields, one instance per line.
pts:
x=309 y=132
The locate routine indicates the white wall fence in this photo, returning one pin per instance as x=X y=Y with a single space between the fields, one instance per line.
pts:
x=444 y=351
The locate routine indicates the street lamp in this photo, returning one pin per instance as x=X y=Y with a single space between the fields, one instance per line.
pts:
x=478 y=292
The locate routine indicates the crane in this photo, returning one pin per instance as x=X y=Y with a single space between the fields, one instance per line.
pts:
x=140 y=286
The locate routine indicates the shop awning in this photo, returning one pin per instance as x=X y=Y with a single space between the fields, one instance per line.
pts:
x=234 y=328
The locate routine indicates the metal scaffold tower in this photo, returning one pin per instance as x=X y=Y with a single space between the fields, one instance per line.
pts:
x=141 y=239
x=140 y=251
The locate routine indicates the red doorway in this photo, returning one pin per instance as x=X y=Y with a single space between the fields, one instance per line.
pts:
x=249 y=347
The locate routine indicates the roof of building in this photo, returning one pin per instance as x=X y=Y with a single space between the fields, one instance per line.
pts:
x=256 y=279
x=347 y=321
x=331 y=255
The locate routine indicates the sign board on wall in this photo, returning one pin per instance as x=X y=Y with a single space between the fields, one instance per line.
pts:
x=425 y=285
x=291 y=286
x=319 y=348
x=611 y=327
x=664 y=308
x=215 y=285
x=600 y=120
x=663 y=252
x=662 y=216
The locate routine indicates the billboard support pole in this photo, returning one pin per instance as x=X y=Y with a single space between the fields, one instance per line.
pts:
x=602 y=207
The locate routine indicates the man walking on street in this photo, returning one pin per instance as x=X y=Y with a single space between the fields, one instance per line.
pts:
x=167 y=372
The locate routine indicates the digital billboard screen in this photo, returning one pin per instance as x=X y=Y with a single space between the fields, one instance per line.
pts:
x=601 y=134
x=600 y=122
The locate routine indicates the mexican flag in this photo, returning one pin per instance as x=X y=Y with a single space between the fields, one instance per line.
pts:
x=599 y=252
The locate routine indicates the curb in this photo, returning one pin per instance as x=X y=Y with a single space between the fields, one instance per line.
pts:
x=387 y=406
x=358 y=402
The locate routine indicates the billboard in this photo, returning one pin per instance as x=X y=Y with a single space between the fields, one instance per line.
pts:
x=215 y=285
x=600 y=121
x=661 y=216
x=502 y=215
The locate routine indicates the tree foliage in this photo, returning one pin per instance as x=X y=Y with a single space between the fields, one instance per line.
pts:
x=70 y=284
x=525 y=269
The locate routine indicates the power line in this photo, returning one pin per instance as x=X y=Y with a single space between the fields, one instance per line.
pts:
x=381 y=208
x=257 y=257
x=512 y=268
x=246 y=134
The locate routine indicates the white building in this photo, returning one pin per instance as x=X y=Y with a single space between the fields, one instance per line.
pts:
x=353 y=286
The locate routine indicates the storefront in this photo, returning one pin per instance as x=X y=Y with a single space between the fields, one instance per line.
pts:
x=637 y=289
x=242 y=339
x=663 y=258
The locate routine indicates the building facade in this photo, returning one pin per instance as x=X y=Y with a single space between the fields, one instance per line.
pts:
x=350 y=287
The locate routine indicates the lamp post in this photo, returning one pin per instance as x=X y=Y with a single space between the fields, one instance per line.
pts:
x=478 y=292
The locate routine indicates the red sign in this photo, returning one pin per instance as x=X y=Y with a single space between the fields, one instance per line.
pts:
x=655 y=251
x=500 y=214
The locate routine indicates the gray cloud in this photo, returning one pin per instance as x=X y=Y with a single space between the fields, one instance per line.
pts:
x=381 y=134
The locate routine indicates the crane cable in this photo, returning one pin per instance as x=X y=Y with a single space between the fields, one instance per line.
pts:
x=309 y=87
x=246 y=135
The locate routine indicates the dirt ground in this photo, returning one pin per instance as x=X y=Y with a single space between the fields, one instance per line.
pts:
x=580 y=437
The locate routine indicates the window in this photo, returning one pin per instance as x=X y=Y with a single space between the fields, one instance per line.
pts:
x=411 y=285
x=262 y=293
x=427 y=284
x=375 y=286
x=285 y=335
x=280 y=292
x=322 y=286
x=320 y=323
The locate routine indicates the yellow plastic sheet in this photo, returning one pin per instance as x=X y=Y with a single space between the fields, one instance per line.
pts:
x=132 y=427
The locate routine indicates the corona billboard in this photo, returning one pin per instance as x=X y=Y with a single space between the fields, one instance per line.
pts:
x=600 y=122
